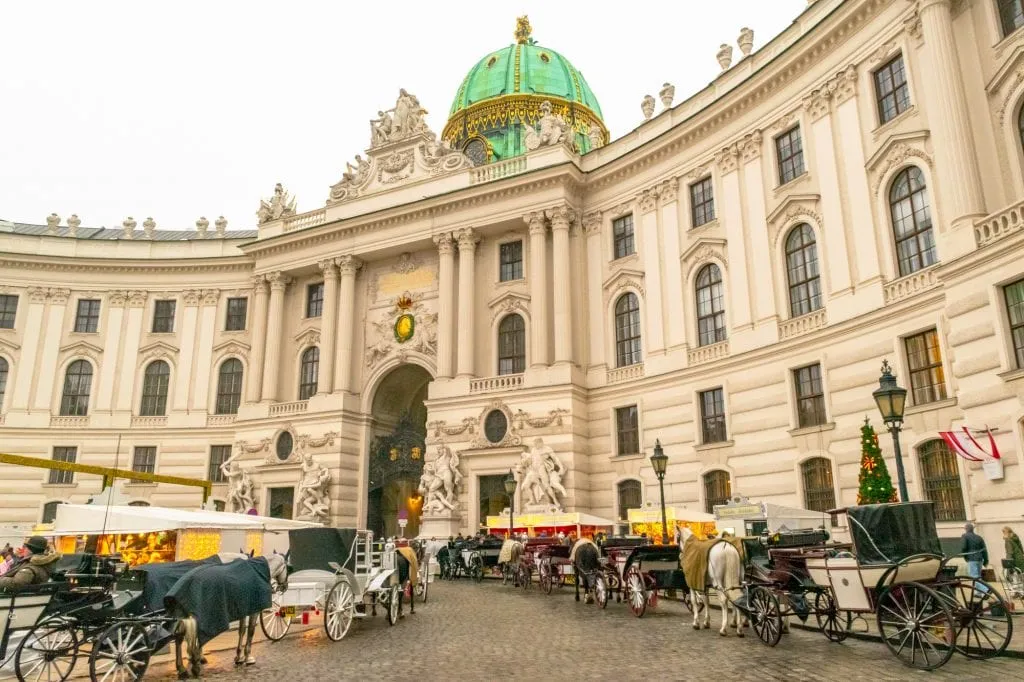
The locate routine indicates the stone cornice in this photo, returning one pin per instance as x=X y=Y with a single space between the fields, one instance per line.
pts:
x=107 y=266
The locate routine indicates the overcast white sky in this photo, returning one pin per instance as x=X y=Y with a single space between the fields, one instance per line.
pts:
x=180 y=109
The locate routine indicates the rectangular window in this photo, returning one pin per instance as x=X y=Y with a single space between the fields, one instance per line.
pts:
x=702 y=202
x=927 y=380
x=627 y=430
x=1014 y=295
x=789 y=151
x=163 y=317
x=1011 y=15
x=622 y=234
x=218 y=455
x=237 y=308
x=891 y=90
x=144 y=459
x=712 y=416
x=8 y=311
x=810 y=396
x=315 y=300
x=87 y=319
x=63 y=454
x=511 y=261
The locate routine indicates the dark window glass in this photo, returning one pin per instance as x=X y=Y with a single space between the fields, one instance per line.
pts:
x=219 y=505
x=712 y=416
x=630 y=497
x=627 y=430
x=163 y=317
x=77 y=385
x=912 y=221
x=495 y=426
x=144 y=459
x=282 y=503
x=285 y=443
x=511 y=261
x=309 y=372
x=1011 y=15
x=819 y=492
x=50 y=512
x=1014 y=294
x=154 y=389
x=622 y=236
x=512 y=345
x=87 y=318
x=790 y=153
x=229 y=386
x=63 y=454
x=717 y=489
x=802 y=271
x=710 y=306
x=237 y=308
x=627 y=330
x=702 y=202
x=924 y=358
x=4 y=370
x=940 y=478
x=315 y=300
x=810 y=396
x=8 y=311
x=891 y=90
x=218 y=455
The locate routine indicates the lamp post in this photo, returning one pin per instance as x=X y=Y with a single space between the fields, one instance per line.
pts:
x=891 y=400
x=510 y=490
x=659 y=461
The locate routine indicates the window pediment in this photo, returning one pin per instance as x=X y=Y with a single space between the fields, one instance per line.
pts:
x=896 y=151
x=1006 y=82
x=9 y=346
x=510 y=302
x=624 y=278
x=231 y=347
x=156 y=351
x=308 y=337
x=796 y=205
x=702 y=251
x=82 y=348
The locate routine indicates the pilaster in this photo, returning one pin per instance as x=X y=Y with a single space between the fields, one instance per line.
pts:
x=672 y=301
x=130 y=351
x=654 y=339
x=329 y=327
x=561 y=219
x=538 y=290
x=207 y=328
x=595 y=300
x=183 y=384
x=254 y=383
x=466 y=351
x=275 y=316
x=347 y=268
x=58 y=300
x=113 y=331
x=446 y=304
x=732 y=217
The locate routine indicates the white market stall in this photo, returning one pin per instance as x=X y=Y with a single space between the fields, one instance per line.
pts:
x=647 y=521
x=537 y=525
x=742 y=517
x=158 y=534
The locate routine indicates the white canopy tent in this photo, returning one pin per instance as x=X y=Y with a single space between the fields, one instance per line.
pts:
x=777 y=517
x=88 y=519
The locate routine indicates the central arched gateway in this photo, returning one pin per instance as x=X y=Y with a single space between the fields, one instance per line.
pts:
x=398 y=429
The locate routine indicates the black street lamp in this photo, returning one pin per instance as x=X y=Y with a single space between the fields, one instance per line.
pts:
x=510 y=490
x=659 y=460
x=891 y=400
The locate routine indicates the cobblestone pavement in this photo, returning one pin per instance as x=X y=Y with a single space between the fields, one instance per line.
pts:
x=485 y=631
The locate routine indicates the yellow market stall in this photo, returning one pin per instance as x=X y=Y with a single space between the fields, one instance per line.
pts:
x=648 y=521
x=538 y=525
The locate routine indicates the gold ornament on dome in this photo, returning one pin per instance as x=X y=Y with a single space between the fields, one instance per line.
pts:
x=523 y=30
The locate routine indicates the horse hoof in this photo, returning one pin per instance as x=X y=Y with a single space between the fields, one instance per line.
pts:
x=696 y=626
x=740 y=634
x=707 y=626
x=203 y=660
x=182 y=674
x=250 y=661
x=238 y=662
x=723 y=633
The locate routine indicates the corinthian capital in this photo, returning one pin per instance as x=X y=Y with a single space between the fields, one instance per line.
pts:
x=467 y=239
x=348 y=265
x=278 y=280
x=592 y=222
x=259 y=283
x=329 y=267
x=846 y=84
x=561 y=217
x=536 y=222
x=190 y=297
x=648 y=200
x=445 y=243
x=59 y=296
x=727 y=159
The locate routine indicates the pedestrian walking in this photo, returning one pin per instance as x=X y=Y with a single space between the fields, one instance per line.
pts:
x=1014 y=550
x=974 y=551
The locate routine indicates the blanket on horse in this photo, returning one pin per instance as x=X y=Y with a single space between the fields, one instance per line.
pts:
x=695 y=559
x=160 y=578
x=219 y=594
x=579 y=543
x=414 y=565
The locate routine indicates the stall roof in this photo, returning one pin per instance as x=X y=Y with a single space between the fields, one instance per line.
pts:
x=671 y=514
x=88 y=519
x=548 y=520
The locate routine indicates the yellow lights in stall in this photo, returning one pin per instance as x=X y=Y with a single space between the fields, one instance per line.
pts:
x=197 y=544
x=254 y=542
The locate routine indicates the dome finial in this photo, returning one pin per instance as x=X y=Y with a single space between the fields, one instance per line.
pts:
x=523 y=30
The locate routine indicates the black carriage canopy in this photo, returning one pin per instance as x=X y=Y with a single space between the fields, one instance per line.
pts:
x=889 y=533
x=315 y=548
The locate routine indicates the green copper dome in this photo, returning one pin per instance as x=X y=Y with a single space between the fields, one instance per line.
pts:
x=503 y=92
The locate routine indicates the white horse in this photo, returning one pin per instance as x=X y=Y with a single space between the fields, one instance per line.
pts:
x=724 y=576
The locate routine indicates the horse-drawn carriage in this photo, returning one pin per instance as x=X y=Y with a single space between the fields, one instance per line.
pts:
x=637 y=571
x=477 y=557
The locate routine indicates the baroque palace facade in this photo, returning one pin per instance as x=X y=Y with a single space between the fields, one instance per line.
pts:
x=727 y=278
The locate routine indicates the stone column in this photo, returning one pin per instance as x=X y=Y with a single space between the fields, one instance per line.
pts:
x=595 y=301
x=672 y=284
x=445 y=304
x=189 y=331
x=50 y=348
x=204 y=358
x=731 y=207
x=130 y=352
x=33 y=322
x=112 y=333
x=328 y=327
x=466 y=353
x=561 y=218
x=254 y=386
x=347 y=267
x=654 y=339
x=757 y=223
x=275 y=318
x=538 y=290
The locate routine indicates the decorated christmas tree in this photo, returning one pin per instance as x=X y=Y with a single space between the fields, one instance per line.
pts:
x=875 y=484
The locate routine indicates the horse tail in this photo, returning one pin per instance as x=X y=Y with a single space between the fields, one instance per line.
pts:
x=733 y=574
x=190 y=628
x=588 y=558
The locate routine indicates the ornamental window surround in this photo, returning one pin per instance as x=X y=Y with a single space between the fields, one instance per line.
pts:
x=512 y=345
x=802 y=271
x=891 y=90
x=163 y=316
x=702 y=202
x=229 y=386
x=236 y=314
x=309 y=372
x=789 y=153
x=710 y=306
x=315 y=300
x=8 y=310
x=155 y=384
x=510 y=261
x=74 y=401
x=627 y=331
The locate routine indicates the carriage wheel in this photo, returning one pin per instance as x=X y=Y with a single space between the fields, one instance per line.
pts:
x=830 y=622
x=984 y=625
x=273 y=621
x=422 y=587
x=601 y=590
x=765 y=615
x=394 y=604
x=339 y=609
x=916 y=624
x=48 y=651
x=636 y=591
x=476 y=568
x=121 y=653
x=547 y=582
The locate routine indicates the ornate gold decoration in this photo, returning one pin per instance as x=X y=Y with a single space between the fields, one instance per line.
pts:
x=523 y=109
x=523 y=30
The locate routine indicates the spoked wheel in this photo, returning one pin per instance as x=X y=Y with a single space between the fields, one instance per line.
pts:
x=916 y=624
x=339 y=610
x=636 y=591
x=48 y=652
x=121 y=653
x=476 y=568
x=423 y=586
x=547 y=582
x=829 y=621
x=984 y=625
x=274 y=621
x=394 y=604
x=601 y=590
x=765 y=615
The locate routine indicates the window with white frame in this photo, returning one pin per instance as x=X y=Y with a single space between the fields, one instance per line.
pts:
x=511 y=261
x=622 y=237
x=627 y=430
x=924 y=360
x=891 y=90
x=789 y=153
x=627 y=330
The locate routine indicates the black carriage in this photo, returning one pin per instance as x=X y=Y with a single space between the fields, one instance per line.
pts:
x=637 y=572
x=554 y=568
x=479 y=556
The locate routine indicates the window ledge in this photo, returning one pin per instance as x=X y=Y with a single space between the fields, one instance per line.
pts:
x=937 y=405
x=629 y=258
x=808 y=430
x=892 y=122
x=1011 y=375
x=714 y=446
x=170 y=333
x=95 y=333
x=234 y=331
x=59 y=486
x=627 y=458
x=798 y=180
x=709 y=225
x=510 y=282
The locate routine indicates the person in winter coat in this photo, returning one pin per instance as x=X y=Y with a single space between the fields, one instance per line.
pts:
x=32 y=569
x=973 y=548
x=1014 y=551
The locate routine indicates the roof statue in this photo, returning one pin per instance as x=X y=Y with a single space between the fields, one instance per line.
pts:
x=280 y=205
x=550 y=129
x=523 y=30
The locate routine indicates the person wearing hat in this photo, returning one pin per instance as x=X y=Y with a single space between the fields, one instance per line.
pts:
x=974 y=551
x=33 y=568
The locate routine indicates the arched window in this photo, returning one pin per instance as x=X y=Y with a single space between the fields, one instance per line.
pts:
x=940 y=478
x=819 y=492
x=717 y=489
x=911 y=221
x=229 y=386
x=50 y=512
x=627 y=330
x=309 y=372
x=630 y=497
x=4 y=369
x=710 y=306
x=77 y=386
x=802 y=271
x=154 y=389
x=512 y=345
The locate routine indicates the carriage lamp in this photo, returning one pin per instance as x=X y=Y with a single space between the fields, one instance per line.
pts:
x=891 y=399
x=659 y=461
x=510 y=490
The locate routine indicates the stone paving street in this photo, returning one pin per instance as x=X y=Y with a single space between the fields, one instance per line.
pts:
x=485 y=631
